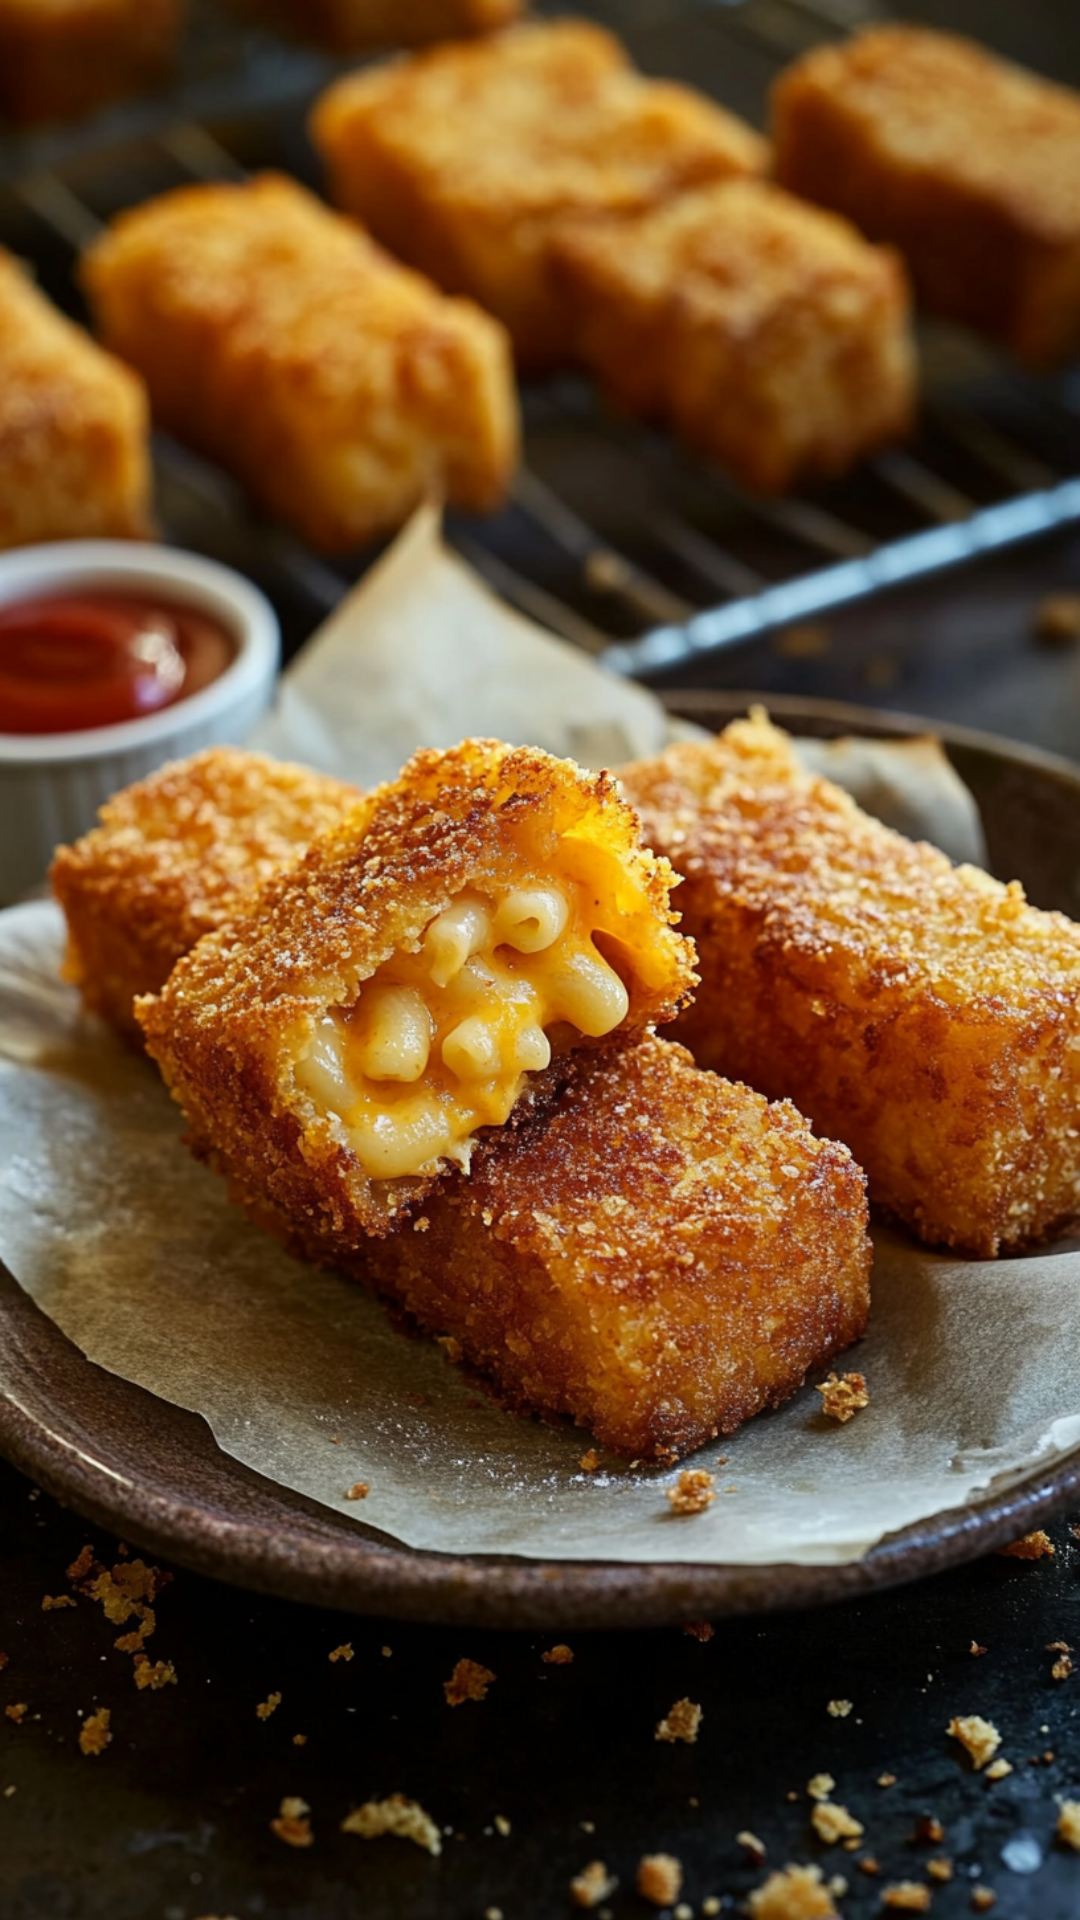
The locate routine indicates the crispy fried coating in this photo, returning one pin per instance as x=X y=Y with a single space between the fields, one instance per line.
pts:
x=924 y=1014
x=353 y=25
x=328 y=1043
x=74 y=452
x=465 y=159
x=172 y=859
x=769 y=334
x=340 y=387
x=660 y=1257
x=969 y=165
x=59 y=58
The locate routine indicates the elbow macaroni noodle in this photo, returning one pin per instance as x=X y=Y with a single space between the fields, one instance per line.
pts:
x=439 y=1041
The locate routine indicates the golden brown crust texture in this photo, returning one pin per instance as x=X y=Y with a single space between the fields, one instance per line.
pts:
x=173 y=858
x=238 y=1014
x=74 y=433
x=340 y=387
x=922 y=1013
x=61 y=58
x=969 y=165
x=769 y=334
x=464 y=159
x=660 y=1257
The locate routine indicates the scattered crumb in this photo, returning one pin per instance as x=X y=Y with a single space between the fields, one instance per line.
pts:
x=659 y=1878
x=940 y=1869
x=1033 y=1546
x=344 y=1652
x=929 y=1829
x=292 y=1824
x=797 y=1893
x=358 y=1491
x=502 y=1824
x=982 y=1899
x=589 y=1461
x=752 y=1846
x=130 y=1589
x=1057 y=619
x=681 y=1722
x=558 y=1656
x=82 y=1566
x=387 y=1652
x=8 y=1791
x=593 y=1884
x=886 y=1779
x=51 y=1601
x=94 y=1735
x=907 y=1896
x=1068 y=1826
x=1061 y=1668
x=839 y=1709
x=270 y=1705
x=999 y=1769
x=134 y=1642
x=868 y=1864
x=163 y=1674
x=710 y=1906
x=700 y=1630
x=18 y=1711
x=979 y=1736
x=469 y=1681
x=493 y=1913
x=693 y=1491
x=403 y=1818
x=820 y=1786
x=842 y=1397
x=683 y=1911
x=975 y=1649
x=832 y=1823
x=299 y=1739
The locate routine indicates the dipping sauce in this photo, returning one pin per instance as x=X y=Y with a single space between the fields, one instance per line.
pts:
x=93 y=658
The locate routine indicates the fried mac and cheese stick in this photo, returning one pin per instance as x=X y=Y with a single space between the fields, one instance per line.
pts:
x=59 y=58
x=768 y=333
x=173 y=858
x=657 y=1254
x=74 y=433
x=966 y=163
x=342 y=1040
x=277 y=337
x=466 y=158
x=922 y=1013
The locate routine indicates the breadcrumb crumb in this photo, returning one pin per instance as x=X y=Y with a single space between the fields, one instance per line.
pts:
x=982 y=1899
x=589 y=1461
x=299 y=1739
x=940 y=1869
x=292 y=1824
x=1033 y=1546
x=94 y=1735
x=469 y=1681
x=396 y=1815
x=659 y=1878
x=358 y=1491
x=51 y=1601
x=820 y=1786
x=839 y=1709
x=701 y=1630
x=796 y=1893
x=843 y=1396
x=593 y=1884
x=754 y=1848
x=268 y=1706
x=975 y=1649
x=1061 y=1668
x=18 y=1711
x=344 y=1652
x=886 y=1779
x=693 y=1491
x=999 y=1769
x=558 y=1656
x=832 y=1823
x=681 y=1722
x=502 y=1824
x=907 y=1896
x=161 y=1674
x=1068 y=1824
x=928 y=1828
x=979 y=1736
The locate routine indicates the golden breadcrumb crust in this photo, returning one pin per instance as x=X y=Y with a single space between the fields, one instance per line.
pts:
x=464 y=159
x=74 y=453
x=969 y=165
x=660 y=1257
x=353 y=25
x=769 y=334
x=64 y=57
x=172 y=858
x=340 y=387
x=238 y=1012
x=925 y=1014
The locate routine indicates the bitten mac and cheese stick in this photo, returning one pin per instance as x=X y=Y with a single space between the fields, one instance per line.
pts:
x=173 y=858
x=277 y=337
x=353 y=25
x=465 y=159
x=969 y=165
x=341 y=1041
x=921 y=1012
x=63 y=57
x=657 y=1253
x=769 y=334
x=74 y=433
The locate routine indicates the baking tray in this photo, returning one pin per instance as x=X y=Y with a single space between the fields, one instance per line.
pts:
x=637 y=551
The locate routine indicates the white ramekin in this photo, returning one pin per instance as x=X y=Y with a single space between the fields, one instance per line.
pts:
x=51 y=784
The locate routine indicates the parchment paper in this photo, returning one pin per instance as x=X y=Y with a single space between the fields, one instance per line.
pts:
x=137 y=1255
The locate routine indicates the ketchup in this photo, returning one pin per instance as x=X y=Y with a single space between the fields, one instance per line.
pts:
x=72 y=661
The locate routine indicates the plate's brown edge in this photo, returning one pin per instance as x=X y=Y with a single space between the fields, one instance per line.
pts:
x=296 y=1550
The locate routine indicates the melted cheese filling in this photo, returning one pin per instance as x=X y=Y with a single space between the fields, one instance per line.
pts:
x=441 y=1042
